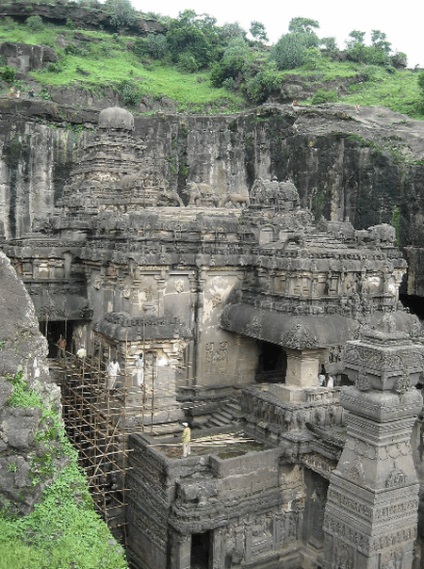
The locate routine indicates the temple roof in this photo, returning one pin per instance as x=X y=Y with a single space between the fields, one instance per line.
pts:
x=116 y=118
x=287 y=330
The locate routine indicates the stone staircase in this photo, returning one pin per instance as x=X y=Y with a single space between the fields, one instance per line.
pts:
x=228 y=414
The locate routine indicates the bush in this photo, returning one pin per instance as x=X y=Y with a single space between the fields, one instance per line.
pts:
x=54 y=68
x=35 y=23
x=122 y=14
x=229 y=84
x=154 y=46
x=8 y=74
x=9 y=23
x=262 y=85
x=131 y=93
x=187 y=63
x=322 y=96
x=399 y=59
x=289 y=51
x=313 y=58
x=234 y=63
x=421 y=88
x=194 y=35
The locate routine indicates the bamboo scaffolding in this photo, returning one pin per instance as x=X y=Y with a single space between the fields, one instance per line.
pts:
x=93 y=418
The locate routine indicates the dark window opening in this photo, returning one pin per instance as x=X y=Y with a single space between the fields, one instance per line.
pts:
x=200 y=543
x=52 y=330
x=272 y=364
x=414 y=303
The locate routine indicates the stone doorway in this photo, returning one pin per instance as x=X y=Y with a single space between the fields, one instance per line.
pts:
x=53 y=329
x=272 y=363
x=200 y=551
x=313 y=520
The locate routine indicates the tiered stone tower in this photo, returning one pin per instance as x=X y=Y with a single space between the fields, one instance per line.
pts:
x=371 y=512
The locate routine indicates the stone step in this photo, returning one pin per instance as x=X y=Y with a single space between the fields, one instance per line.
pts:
x=228 y=414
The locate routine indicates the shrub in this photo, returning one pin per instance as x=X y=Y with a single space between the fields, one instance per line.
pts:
x=262 y=85
x=54 y=68
x=289 y=51
x=156 y=45
x=235 y=61
x=229 y=84
x=35 y=23
x=195 y=35
x=313 y=58
x=322 y=96
x=9 y=23
x=399 y=59
x=130 y=93
x=122 y=14
x=8 y=74
x=187 y=63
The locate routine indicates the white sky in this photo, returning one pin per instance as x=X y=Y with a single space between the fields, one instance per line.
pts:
x=401 y=22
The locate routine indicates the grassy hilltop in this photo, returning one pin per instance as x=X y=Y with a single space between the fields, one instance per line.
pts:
x=197 y=66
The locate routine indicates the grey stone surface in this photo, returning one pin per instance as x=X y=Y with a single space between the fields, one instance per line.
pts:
x=213 y=258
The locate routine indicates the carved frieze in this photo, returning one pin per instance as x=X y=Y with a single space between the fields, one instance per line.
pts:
x=298 y=338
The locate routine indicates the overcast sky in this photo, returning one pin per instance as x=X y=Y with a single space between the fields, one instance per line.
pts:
x=402 y=22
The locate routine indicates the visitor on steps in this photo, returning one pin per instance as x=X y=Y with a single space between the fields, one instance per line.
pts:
x=185 y=439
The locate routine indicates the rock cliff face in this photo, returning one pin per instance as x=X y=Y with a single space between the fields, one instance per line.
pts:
x=92 y=18
x=22 y=427
x=364 y=165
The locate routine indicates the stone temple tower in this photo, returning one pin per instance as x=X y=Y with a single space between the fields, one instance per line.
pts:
x=371 y=513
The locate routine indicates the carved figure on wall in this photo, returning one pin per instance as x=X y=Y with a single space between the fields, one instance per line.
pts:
x=395 y=561
x=237 y=200
x=170 y=197
x=216 y=299
x=222 y=357
x=201 y=194
x=234 y=547
x=209 y=356
x=343 y=556
x=130 y=181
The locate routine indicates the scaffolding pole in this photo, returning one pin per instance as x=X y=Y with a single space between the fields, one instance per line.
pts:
x=95 y=419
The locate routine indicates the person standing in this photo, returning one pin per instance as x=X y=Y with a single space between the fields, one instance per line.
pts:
x=61 y=348
x=330 y=381
x=112 y=371
x=139 y=370
x=186 y=439
x=82 y=353
x=321 y=376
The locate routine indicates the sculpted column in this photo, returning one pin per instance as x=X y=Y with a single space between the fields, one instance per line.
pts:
x=370 y=518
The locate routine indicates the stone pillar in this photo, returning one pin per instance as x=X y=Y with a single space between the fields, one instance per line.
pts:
x=370 y=518
x=302 y=368
x=301 y=374
x=183 y=555
x=218 y=560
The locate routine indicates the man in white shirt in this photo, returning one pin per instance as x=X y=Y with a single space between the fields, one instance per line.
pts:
x=112 y=371
x=139 y=370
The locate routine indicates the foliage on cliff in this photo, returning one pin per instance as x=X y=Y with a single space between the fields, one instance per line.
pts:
x=63 y=529
x=203 y=67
